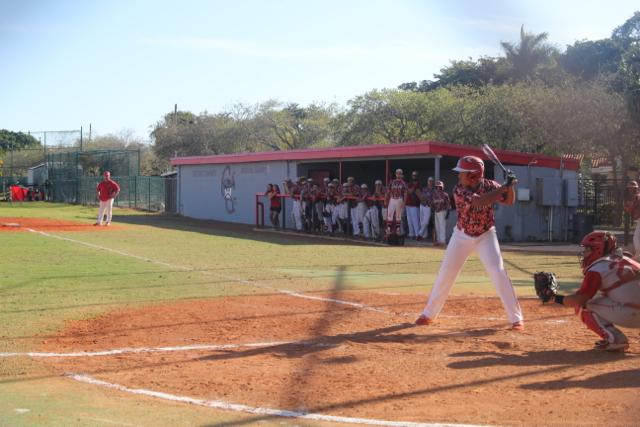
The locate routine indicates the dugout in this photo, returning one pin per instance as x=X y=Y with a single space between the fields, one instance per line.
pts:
x=227 y=187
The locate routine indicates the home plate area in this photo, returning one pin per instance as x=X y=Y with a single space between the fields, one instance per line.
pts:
x=322 y=357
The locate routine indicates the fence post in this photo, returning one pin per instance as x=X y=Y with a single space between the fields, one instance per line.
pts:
x=149 y=195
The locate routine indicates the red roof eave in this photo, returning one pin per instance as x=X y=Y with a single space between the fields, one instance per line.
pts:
x=408 y=149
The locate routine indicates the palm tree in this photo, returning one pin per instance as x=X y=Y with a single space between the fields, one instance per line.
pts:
x=529 y=55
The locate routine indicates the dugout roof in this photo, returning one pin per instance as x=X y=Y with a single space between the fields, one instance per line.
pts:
x=379 y=152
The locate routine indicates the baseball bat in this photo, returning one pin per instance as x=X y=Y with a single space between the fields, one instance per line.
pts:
x=492 y=156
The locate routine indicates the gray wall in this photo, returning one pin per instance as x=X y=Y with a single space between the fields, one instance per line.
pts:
x=201 y=191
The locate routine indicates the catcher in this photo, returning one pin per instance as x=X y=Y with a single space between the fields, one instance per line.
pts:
x=609 y=294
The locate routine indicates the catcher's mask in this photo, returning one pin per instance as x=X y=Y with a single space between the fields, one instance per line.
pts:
x=594 y=246
x=472 y=165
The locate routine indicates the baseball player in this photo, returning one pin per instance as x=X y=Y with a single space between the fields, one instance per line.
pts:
x=412 y=203
x=362 y=207
x=440 y=205
x=425 y=207
x=275 y=204
x=395 y=204
x=293 y=190
x=371 y=221
x=475 y=232
x=343 y=208
x=107 y=190
x=329 y=206
x=353 y=190
x=610 y=291
x=632 y=207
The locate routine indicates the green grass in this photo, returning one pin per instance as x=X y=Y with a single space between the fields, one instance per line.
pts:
x=45 y=282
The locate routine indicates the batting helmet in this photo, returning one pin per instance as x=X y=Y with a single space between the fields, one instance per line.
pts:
x=471 y=164
x=600 y=243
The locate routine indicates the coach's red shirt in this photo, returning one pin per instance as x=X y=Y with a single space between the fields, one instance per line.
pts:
x=107 y=190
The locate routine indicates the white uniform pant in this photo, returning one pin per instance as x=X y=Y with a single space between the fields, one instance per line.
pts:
x=615 y=312
x=440 y=221
x=395 y=211
x=296 y=212
x=460 y=247
x=413 y=219
x=425 y=216
x=371 y=222
x=329 y=212
x=106 y=208
x=354 y=220
x=636 y=241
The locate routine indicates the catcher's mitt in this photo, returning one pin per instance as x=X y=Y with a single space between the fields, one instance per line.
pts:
x=546 y=285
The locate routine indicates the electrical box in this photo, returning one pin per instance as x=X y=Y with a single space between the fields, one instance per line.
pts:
x=549 y=191
x=524 y=195
x=571 y=197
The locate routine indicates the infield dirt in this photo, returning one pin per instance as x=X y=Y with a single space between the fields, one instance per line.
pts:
x=342 y=360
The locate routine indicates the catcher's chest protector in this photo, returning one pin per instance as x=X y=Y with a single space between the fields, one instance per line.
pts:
x=620 y=278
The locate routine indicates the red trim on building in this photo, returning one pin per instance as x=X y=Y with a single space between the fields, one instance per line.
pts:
x=403 y=150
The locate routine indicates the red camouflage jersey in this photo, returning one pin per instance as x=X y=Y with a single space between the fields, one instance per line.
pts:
x=440 y=200
x=615 y=276
x=398 y=189
x=426 y=193
x=474 y=221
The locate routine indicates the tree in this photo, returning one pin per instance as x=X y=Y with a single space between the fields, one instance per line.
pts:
x=16 y=140
x=529 y=56
x=591 y=59
x=627 y=38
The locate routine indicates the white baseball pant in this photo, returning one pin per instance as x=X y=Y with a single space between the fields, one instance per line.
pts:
x=395 y=209
x=460 y=247
x=440 y=221
x=296 y=212
x=328 y=219
x=105 y=208
x=425 y=216
x=371 y=222
x=354 y=220
x=413 y=219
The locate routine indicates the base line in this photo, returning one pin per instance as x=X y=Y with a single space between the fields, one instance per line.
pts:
x=257 y=410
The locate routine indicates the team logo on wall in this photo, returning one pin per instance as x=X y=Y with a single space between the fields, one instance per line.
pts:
x=227 y=185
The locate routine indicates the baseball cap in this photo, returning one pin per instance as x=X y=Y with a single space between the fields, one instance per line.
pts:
x=364 y=186
x=378 y=182
x=399 y=171
x=439 y=184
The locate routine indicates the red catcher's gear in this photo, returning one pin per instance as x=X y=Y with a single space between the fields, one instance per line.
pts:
x=632 y=184
x=600 y=243
x=473 y=165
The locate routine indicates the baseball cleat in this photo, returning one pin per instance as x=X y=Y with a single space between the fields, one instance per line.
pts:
x=608 y=346
x=423 y=320
x=518 y=326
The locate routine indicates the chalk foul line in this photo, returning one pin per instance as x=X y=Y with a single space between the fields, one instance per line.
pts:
x=131 y=350
x=256 y=410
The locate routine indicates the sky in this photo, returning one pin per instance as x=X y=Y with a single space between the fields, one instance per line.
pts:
x=120 y=66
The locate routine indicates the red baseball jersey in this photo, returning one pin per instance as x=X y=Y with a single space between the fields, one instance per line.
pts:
x=107 y=190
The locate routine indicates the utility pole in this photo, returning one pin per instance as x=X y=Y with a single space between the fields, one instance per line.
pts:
x=80 y=138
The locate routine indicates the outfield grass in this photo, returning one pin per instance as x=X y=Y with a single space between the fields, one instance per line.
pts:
x=46 y=281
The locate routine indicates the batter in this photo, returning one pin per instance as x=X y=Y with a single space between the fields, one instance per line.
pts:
x=475 y=232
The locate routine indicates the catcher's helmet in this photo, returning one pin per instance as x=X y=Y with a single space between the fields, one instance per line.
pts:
x=600 y=243
x=471 y=164
x=632 y=184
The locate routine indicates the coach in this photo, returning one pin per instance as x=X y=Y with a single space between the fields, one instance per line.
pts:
x=107 y=190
